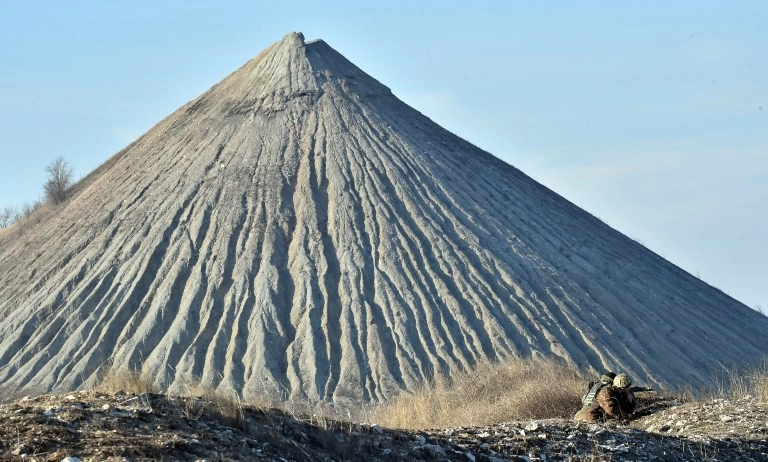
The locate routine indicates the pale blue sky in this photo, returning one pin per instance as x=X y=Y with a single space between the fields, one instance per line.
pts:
x=652 y=116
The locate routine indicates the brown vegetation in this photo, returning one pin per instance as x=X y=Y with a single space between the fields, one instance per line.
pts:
x=490 y=393
x=752 y=382
x=125 y=418
x=126 y=381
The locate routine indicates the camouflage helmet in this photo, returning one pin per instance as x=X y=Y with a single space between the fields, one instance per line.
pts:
x=622 y=381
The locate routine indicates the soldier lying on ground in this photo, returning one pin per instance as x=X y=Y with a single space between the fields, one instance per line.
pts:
x=614 y=402
x=594 y=388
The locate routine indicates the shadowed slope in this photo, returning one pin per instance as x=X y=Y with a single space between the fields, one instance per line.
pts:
x=299 y=227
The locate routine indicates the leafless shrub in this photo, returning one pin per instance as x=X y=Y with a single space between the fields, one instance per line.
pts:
x=59 y=180
x=7 y=216
x=26 y=210
x=25 y=216
x=490 y=393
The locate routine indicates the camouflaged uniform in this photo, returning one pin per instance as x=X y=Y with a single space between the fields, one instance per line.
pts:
x=611 y=403
x=594 y=388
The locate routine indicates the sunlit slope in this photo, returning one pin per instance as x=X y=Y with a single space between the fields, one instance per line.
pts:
x=298 y=228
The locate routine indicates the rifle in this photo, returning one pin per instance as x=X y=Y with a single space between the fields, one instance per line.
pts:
x=636 y=389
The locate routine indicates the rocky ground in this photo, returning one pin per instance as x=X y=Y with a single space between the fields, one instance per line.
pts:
x=92 y=426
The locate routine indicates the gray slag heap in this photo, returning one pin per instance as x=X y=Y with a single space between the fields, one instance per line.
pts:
x=298 y=228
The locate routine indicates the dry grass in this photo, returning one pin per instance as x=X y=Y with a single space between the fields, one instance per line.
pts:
x=490 y=393
x=760 y=382
x=225 y=405
x=751 y=382
x=31 y=217
x=198 y=398
x=733 y=383
x=127 y=381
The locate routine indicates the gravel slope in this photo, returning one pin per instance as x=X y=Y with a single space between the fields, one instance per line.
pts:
x=100 y=427
x=298 y=229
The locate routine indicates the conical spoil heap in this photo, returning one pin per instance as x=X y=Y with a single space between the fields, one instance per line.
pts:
x=299 y=229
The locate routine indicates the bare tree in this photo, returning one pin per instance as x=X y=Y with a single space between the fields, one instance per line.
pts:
x=59 y=179
x=7 y=216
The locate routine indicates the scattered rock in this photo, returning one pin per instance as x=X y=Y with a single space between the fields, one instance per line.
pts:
x=188 y=429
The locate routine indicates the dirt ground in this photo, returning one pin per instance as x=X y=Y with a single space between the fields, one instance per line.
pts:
x=92 y=426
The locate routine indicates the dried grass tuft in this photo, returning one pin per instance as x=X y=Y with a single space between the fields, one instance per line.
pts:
x=490 y=393
x=740 y=383
x=126 y=381
x=223 y=404
x=754 y=382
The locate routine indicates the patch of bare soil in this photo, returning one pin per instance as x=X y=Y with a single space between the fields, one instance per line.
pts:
x=92 y=426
